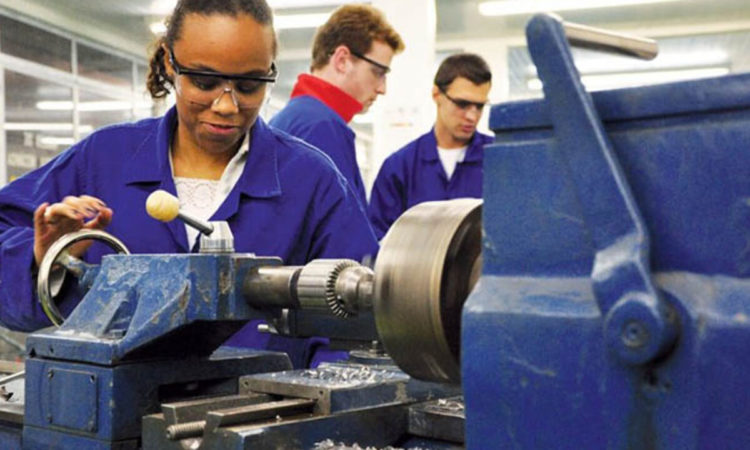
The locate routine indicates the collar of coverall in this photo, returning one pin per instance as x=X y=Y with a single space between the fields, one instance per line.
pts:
x=344 y=104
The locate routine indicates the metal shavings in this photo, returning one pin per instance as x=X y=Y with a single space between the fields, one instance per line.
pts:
x=328 y=444
x=349 y=375
x=447 y=405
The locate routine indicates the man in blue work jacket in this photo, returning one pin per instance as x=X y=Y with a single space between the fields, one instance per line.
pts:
x=446 y=162
x=351 y=55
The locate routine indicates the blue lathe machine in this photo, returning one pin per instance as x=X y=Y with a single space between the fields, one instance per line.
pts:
x=597 y=297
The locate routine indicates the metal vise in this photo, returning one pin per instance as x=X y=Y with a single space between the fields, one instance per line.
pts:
x=612 y=310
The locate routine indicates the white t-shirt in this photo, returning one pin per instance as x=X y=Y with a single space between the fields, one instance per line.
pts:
x=450 y=157
x=201 y=198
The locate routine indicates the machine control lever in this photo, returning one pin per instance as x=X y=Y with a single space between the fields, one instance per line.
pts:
x=638 y=324
x=608 y=41
x=216 y=237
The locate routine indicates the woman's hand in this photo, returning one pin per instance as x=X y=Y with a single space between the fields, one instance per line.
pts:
x=72 y=214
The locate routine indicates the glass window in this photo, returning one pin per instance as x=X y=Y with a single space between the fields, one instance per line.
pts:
x=102 y=66
x=38 y=122
x=680 y=58
x=144 y=106
x=96 y=111
x=142 y=76
x=34 y=44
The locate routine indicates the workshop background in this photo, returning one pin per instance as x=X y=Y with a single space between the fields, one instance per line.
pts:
x=68 y=67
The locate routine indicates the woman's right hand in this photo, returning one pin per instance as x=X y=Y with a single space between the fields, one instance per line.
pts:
x=72 y=214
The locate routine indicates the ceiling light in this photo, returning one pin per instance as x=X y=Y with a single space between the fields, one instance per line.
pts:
x=666 y=61
x=162 y=7
x=284 y=4
x=45 y=126
x=514 y=7
x=54 y=141
x=101 y=105
x=158 y=27
x=620 y=80
x=286 y=22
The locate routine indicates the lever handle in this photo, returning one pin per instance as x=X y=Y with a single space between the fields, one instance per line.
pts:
x=165 y=207
x=638 y=324
x=609 y=41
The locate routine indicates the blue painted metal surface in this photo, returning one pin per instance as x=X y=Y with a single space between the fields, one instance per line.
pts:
x=10 y=437
x=154 y=306
x=635 y=319
x=569 y=177
x=124 y=393
x=144 y=333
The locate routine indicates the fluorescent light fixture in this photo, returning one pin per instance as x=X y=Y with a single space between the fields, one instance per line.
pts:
x=101 y=105
x=666 y=61
x=281 y=21
x=287 y=22
x=158 y=27
x=619 y=80
x=515 y=7
x=45 y=126
x=162 y=7
x=165 y=7
x=285 y=4
x=54 y=141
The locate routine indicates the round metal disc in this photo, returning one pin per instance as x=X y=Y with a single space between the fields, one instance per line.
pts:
x=427 y=265
x=49 y=280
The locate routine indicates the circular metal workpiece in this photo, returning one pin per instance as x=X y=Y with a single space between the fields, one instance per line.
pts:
x=52 y=269
x=427 y=265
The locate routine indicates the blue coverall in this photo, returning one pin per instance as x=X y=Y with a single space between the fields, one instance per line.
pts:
x=289 y=202
x=414 y=174
x=315 y=123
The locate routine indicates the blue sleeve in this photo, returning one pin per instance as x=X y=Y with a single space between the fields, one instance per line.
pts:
x=328 y=137
x=387 y=199
x=19 y=308
x=341 y=227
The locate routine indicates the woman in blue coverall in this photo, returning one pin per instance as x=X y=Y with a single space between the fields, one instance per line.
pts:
x=280 y=196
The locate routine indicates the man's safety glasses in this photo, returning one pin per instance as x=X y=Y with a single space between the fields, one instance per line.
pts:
x=463 y=104
x=380 y=70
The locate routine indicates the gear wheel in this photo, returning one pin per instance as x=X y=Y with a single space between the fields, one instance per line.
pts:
x=316 y=286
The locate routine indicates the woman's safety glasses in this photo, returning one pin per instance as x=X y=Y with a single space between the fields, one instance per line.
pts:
x=206 y=87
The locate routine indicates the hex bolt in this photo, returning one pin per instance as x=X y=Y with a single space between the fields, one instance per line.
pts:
x=634 y=334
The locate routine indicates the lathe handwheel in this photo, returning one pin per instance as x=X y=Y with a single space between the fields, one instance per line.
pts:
x=427 y=265
x=58 y=257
